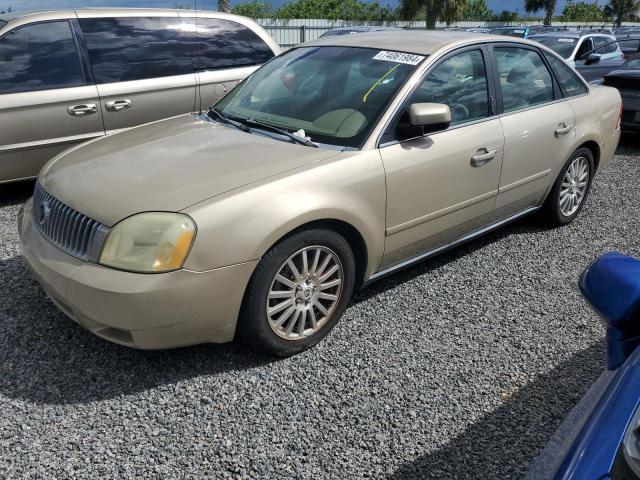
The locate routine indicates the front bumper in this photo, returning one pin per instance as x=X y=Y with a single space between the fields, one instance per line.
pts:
x=147 y=311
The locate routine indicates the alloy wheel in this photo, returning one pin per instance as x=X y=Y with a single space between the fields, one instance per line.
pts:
x=574 y=186
x=304 y=292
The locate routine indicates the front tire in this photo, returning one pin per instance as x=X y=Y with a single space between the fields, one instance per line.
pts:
x=298 y=292
x=571 y=189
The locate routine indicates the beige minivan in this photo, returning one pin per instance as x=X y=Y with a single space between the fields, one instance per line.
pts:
x=70 y=76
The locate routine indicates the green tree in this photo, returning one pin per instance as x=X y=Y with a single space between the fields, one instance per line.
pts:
x=433 y=10
x=621 y=10
x=549 y=6
x=476 y=10
x=356 y=10
x=254 y=9
x=582 y=12
x=506 y=16
x=224 y=6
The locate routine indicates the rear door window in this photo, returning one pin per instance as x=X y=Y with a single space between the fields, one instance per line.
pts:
x=524 y=78
x=137 y=48
x=41 y=56
x=219 y=43
x=601 y=45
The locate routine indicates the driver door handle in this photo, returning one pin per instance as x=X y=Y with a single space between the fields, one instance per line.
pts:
x=118 y=105
x=562 y=129
x=483 y=158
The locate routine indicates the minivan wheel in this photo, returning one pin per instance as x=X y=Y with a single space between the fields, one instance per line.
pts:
x=297 y=293
x=571 y=189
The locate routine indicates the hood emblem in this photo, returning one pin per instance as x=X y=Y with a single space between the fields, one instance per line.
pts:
x=44 y=212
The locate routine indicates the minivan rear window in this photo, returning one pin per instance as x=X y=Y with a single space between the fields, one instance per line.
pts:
x=125 y=49
x=219 y=43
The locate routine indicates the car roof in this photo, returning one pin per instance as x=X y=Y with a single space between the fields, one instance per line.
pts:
x=422 y=42
x=18 y=19
x=572 y=34
x=44 y=15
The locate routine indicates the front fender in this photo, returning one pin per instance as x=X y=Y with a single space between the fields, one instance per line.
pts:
x=242 y=225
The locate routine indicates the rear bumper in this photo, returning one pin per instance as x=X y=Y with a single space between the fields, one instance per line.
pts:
x=608 y=148
x=147 y=311
x=630 y=106
x=586 y=444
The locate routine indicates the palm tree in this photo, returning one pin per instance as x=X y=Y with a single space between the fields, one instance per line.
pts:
x=621 y=9
x=444 y=10
x=224 y=6
x=549 y=6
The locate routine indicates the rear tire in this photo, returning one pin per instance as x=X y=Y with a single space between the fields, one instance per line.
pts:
x=570 y=190
x=298 y=292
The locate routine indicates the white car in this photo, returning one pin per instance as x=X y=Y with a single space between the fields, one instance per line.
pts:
x=592 y=54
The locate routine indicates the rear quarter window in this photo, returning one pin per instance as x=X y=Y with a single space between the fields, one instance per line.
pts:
x=219 y=43
x=570 y=83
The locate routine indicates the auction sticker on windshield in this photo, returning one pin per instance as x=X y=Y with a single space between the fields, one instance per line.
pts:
x=399 y=57
x=566 y=40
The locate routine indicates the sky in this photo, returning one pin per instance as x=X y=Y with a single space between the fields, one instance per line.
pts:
x=21 y=5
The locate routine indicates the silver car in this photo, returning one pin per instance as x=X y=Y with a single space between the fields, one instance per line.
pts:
x=70 y=76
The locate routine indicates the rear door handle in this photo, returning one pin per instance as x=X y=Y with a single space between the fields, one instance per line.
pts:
x=483 y=158
x=117 y=105
x=82 y=110
x=562 y=129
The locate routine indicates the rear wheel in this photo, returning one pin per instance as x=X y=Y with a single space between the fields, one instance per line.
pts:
x=298 y=292
x=571 y=189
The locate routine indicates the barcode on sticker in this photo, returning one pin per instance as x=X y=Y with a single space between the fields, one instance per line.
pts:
x=399 y=57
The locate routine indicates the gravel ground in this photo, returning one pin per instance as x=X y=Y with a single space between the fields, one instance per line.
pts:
x=461 y=367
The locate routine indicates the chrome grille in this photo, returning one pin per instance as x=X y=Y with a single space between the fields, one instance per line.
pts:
x=67 y=229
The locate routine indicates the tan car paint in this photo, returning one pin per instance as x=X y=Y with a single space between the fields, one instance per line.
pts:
x=36 y=125
x=532 y=148
x=432 y=186
x=246 y=192
x=186 y=307
x=170 y=165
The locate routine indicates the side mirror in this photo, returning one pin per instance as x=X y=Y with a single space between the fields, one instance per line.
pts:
x=592 y=58
x=430 y=116
x=611 y=285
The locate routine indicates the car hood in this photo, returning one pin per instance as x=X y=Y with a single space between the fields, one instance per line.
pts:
x=167 y=166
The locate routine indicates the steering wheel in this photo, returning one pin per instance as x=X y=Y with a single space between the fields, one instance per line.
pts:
x=458 y=107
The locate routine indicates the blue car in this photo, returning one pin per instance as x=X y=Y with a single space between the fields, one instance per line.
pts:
x=600 y=439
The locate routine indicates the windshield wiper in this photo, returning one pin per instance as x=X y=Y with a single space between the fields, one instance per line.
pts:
x=226 y=119
x=281 y=131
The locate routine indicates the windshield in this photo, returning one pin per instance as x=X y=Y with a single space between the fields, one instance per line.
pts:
x=335 y=94
x=562 y=46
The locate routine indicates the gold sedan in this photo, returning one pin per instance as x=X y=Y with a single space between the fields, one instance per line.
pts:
x=336 y=163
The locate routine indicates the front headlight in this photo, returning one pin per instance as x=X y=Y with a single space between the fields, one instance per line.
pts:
x=149 y=242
